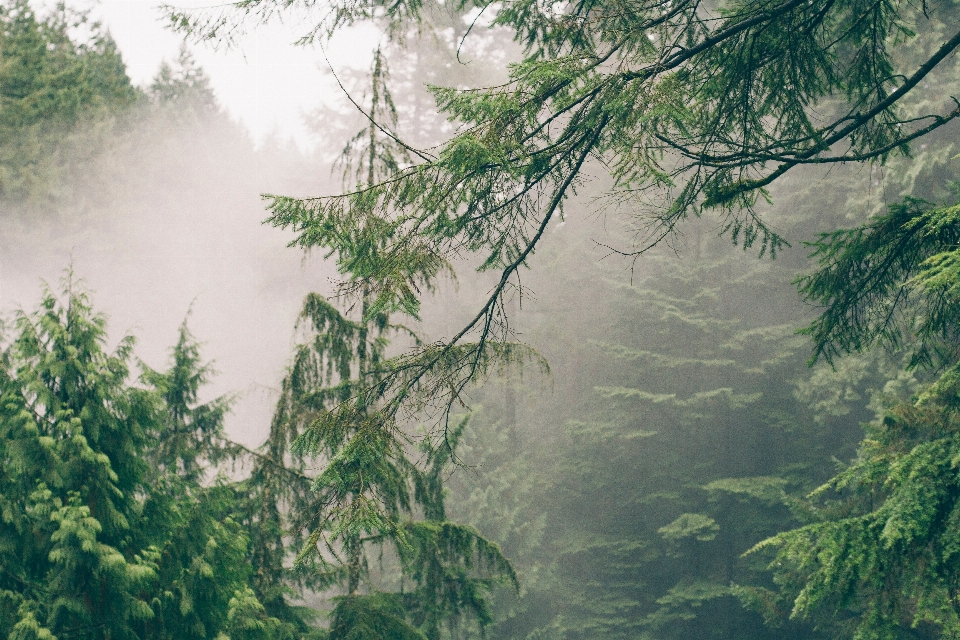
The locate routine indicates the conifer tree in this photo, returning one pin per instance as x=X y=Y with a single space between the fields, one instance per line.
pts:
x=683 y=105
x=103 y=536
x=71 y=432
x=672 y=442
x=889 y=517
x=372 y=497
x=49 y=84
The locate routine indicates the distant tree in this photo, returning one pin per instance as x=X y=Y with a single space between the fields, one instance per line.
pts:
x=183 y=85
x=51 y=81
x=372 y=497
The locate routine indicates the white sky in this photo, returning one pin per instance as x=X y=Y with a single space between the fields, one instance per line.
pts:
x=267 y=83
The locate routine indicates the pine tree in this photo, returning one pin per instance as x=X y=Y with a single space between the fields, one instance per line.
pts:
x=49 y=85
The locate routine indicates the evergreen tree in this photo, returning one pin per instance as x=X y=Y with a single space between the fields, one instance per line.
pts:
x=183 y=88
x=103 y=536
x=49 y=85
x=372 y=495
x=191 y=437
x=72 y=433
x=683 y=106
x=887 y=518
x=672 y=443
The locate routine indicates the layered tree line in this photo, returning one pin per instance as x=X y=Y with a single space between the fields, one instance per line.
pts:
x=689 y=475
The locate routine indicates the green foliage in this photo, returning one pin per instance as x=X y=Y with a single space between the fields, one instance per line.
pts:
x=685 y=107
x=870 y=561
x=53 y=83
x=891 y=281
x=191 y=431
x=378 y=615
x=671 y=441
x=183 y=83
x=370 y=492
x=101 y=535
x=879 y=558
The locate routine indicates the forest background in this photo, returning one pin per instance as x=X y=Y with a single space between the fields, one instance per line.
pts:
x=679 y=426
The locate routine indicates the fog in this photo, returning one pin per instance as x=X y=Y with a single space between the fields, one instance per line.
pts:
x=169 y=223
x=676 y=429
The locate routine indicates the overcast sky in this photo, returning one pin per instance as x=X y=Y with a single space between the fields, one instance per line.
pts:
x=267 y=83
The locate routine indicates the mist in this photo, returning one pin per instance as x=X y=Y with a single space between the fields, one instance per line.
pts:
x=166 y=227
x=623 y=491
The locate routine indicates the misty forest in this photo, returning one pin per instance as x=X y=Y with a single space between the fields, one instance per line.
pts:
x=626 y=319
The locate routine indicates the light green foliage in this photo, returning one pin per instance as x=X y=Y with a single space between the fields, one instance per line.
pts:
x=102 y=535
x=67 y=416
x=690 y=525
x=884 y=541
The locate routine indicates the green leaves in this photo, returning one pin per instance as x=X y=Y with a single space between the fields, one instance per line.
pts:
x=690 y=525
x=371 y=617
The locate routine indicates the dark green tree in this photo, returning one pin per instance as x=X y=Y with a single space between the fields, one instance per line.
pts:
x=191 y=436
x=685 y=106
x=50 y=83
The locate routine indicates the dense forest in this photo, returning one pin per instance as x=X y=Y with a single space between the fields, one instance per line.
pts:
x=610 y=319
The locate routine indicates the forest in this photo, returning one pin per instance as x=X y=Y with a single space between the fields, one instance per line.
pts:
x=626 y=319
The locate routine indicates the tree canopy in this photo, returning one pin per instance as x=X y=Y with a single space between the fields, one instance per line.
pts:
x=683 y=106
x=52 y=79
